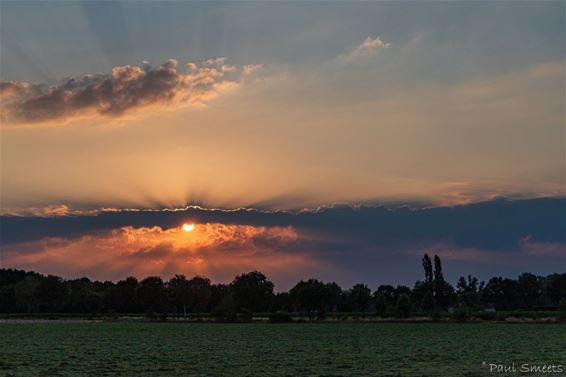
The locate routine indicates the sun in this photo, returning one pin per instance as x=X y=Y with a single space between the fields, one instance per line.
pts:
x=188 y=227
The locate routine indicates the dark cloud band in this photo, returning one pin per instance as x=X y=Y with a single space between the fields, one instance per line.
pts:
x=498 y=224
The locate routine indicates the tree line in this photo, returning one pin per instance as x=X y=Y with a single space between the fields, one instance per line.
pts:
x=30 y=292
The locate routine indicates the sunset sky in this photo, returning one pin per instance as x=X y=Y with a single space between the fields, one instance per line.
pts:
x=338 y=140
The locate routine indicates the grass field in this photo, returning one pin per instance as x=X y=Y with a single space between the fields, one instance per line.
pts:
x=168 y=349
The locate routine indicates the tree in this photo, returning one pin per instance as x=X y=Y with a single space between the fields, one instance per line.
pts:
x=360 y=297
x=217 y=294
x=381 y=305
x=282 y=302
x=469 y=292
x=402 y=290
x=530 y=289
x=178 y=293
x=8 y=299
x=151 y=295
x=189 y=295
x=442 y=290
x=428 y=303
x=555 y=286
x=403 y=307
x=22 y=291
x=500 y=293
x=51 y=294
x=438 y=269
x=84 y=296
x=313 y=297
x=422 y=288
x=419 y=291
x=199 y=293
x=122 y=296
x=427 y=266
x=253 y=292
x=25 y=292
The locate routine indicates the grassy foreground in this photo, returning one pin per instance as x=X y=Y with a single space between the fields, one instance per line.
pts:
x=167 y=349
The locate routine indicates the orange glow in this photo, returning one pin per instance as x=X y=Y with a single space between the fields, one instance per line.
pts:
x=215 y=250
x=188 y=227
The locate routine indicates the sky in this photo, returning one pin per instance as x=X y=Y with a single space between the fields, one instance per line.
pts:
x=278 y=111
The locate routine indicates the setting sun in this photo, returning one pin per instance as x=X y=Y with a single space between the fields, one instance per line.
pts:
x=188 y=227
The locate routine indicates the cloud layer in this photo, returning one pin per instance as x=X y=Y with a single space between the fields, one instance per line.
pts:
x=348 y=244
x=126 y=89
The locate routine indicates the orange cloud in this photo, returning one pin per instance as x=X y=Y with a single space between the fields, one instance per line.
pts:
x=215 y=250
x=126 y=89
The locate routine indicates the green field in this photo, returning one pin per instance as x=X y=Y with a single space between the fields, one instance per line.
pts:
x=169 y=349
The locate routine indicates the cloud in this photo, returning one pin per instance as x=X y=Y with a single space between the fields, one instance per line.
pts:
x=214 y=250
x=344 y=243
x=369 y=47
x=127 y=89
x=494 y=224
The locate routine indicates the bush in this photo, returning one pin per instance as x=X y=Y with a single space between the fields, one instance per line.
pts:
x=280 y=317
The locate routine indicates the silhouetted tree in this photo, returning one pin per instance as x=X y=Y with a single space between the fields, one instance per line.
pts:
x=217 y=294
x=282 y=302
x=360 y=296
x=388 y=291
x=402 y=290
x=26 y=295
x=381 y=305
x=427 y=266
x=151 y=295
x=121 y=297
x=22 y=291
x=530 y=289
x=253 y=292
x=555 y=287
x=419 y=291
x=442 y=290
x=428 y=303
x=501 y=293
x=51 y=294
x=403 y=307
x=469 y=292
x=178 y=293
x=8 y=299
x=83 y=296
x=199 y=291
x=333 y=295
x=313 y=297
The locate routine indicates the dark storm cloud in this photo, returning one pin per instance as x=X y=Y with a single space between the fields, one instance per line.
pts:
x=498 y=224
x=125 y=89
